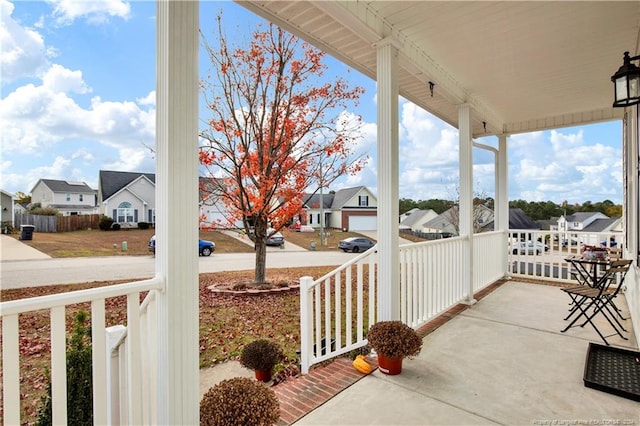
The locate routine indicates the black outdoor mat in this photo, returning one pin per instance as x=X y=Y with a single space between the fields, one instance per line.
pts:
x=613 y=370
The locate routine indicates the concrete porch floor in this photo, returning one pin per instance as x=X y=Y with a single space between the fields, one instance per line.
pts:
x=502 y=361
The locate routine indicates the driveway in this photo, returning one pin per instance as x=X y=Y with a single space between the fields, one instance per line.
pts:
x=287 y=246
x=14 y=249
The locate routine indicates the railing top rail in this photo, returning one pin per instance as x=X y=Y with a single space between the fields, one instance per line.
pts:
x=79 y=296
x=433 y=242
x=344 y=266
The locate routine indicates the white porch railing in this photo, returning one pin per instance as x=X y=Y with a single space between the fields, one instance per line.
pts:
x=332 y=310
x=542 y=254
x=432 y=279
x=139 y=375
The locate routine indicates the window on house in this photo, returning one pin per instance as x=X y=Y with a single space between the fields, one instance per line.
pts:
x=80 y=198
x=152 y=215
x=363 y=200
x=310 y=219
x=68 y=196
x=125 y=212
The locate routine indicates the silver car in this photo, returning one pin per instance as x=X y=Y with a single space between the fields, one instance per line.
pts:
x=355 y=244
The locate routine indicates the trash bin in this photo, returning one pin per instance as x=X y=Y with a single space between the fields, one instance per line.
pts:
x=26 y=232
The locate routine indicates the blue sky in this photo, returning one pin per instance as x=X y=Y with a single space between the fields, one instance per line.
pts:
x=78 y=96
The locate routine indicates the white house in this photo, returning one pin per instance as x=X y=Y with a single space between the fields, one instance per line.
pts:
x=578 y=221
x=447 y=222
x=213 y=212
x=127 y=197
x=68 y=197
x=7 y=207
x=354 y=209
x=415 y=219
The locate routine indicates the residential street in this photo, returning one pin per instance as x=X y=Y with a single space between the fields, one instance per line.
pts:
x=38 y=272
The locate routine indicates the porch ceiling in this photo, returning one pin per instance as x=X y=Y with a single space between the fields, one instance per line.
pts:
x=523 y=66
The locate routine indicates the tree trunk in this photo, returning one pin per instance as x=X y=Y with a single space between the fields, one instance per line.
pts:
x=260 y=229
x=261 y=261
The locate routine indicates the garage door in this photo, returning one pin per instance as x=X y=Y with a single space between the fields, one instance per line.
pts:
x=363 y=223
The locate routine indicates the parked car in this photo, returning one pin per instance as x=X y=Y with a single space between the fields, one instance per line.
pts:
x=205 y=248
x=276 y=239
x=529 y=247
x=355 y=244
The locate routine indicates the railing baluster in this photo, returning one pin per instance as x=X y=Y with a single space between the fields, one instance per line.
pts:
x=99 y=361
x=348 y=317
x=373 y=280
x=134 y=358
x=318 y=320
x=359 y=308
x=327 y=316
x=11 y=369
x=58 y=365
x=338 y=316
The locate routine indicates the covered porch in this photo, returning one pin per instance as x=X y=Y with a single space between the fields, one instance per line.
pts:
x=500 y=361
x=454 y=60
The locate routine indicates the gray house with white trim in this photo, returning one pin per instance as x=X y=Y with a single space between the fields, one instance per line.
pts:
x=68 y=197
x=127 y=197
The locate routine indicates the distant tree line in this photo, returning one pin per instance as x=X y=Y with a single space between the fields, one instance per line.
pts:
x=536 y=210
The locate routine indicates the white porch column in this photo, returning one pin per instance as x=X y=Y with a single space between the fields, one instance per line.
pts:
x=388 y=209
x=466 y=192
x=177 y=212
x=502 y=197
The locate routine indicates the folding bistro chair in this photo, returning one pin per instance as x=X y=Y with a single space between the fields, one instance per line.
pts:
x=598 y=299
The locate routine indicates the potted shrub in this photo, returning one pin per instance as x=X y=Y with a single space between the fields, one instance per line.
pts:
x=261 y=356
x=393 y=341
x=239 y=402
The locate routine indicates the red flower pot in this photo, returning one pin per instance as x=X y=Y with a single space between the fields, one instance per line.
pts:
x=263 y=375
x=390 y=366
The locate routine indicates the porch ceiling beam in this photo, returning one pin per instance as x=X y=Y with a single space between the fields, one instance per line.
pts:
x=566 y=120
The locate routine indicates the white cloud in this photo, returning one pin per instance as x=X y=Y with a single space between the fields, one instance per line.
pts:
x=95 y=12
x=560 y=165
x=36 y=118
x=149 y=100
x=59 y=169
x=22 y=50
x=60 y=79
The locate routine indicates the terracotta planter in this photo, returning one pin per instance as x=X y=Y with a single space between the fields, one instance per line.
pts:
x=263 y=375
x=390 y=366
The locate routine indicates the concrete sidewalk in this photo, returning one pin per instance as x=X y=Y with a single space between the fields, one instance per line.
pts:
x=14 y=249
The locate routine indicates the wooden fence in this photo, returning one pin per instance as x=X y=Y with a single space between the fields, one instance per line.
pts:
x=58 y=223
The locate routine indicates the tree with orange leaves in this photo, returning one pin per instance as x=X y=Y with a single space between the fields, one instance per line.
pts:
x=277 y=127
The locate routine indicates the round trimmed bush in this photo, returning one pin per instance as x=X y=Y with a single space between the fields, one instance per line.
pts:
x=239 y=402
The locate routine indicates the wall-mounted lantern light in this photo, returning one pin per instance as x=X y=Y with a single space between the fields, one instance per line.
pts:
x=626 y=82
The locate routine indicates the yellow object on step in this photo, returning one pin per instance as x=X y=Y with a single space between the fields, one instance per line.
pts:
x=361 y=365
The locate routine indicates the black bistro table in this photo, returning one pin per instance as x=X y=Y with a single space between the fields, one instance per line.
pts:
x=587 y=271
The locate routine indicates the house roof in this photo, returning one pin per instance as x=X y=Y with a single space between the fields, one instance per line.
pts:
x=441 y=221
x=601 y=225
x=518 y=219
x=8 y=194
x=415 y=217
x=111 y=181
x=66 y=186
x=312 y=201
x=581 y=216
x=334 y=201
x=72 y=206
x=343 y=196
